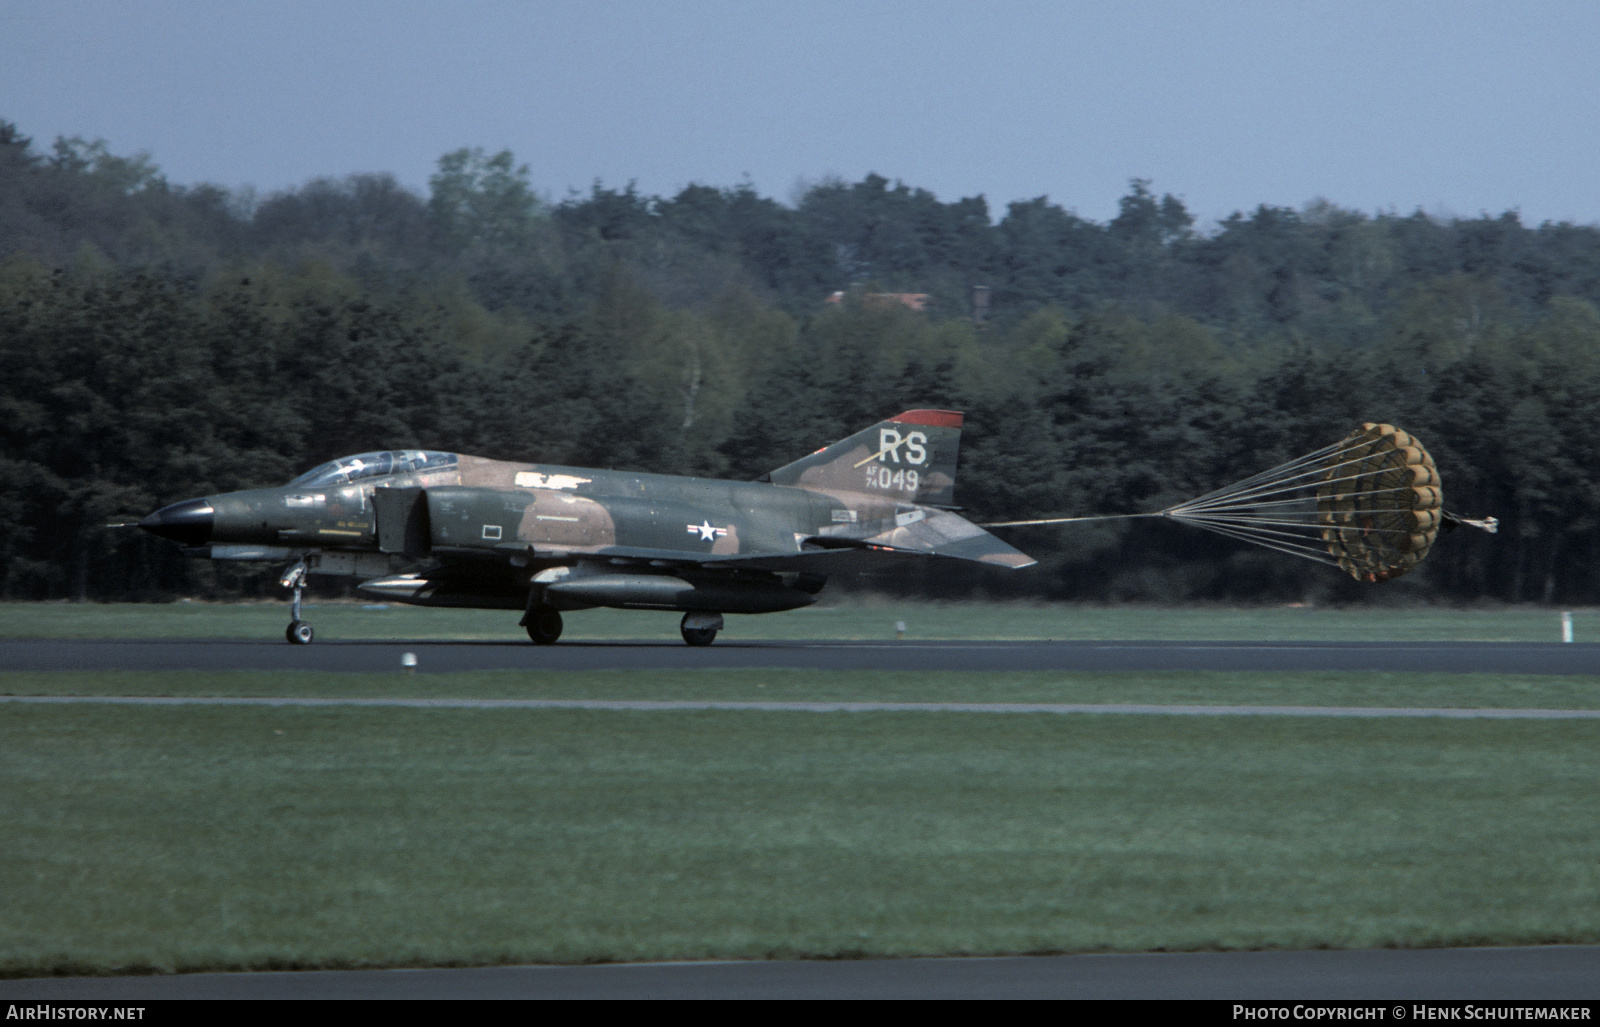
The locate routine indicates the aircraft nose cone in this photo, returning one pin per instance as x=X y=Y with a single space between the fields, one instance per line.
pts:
x=188 y=522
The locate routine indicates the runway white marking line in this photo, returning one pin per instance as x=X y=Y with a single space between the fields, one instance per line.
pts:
x=665 y=705
x=1297 y=647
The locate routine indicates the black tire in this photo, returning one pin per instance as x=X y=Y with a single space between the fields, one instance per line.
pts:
x=699 y=636
x=299 y=633
x=544 y=625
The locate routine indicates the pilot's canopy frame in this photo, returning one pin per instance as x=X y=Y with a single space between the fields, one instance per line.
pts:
x=373 y=465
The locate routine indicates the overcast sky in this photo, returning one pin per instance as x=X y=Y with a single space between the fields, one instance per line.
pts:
x=1455 y=107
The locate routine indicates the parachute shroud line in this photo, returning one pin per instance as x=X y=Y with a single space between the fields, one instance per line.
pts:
x=1369 y=504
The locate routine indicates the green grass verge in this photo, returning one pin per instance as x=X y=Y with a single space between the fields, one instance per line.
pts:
x=847 y=620
x=189 y=839
x=1322 y=688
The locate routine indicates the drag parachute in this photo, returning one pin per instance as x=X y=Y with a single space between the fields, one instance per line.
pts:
x=1380 y=505
x=1369 y=504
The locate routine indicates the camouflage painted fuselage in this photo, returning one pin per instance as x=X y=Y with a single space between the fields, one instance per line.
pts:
x=457 y=530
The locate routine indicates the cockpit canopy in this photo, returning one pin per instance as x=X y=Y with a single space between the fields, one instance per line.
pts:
x=372 y=465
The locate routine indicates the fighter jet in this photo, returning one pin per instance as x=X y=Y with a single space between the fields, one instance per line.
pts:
x=447 y=529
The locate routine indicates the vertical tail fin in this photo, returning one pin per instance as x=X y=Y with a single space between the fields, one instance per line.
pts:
x=910 y=458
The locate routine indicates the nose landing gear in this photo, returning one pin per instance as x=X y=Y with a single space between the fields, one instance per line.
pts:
x=298 y=631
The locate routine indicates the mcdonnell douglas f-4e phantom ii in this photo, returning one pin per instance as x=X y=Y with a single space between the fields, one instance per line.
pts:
x=447 y=529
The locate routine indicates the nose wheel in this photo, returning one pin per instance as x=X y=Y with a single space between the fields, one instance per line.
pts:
x=298 y=632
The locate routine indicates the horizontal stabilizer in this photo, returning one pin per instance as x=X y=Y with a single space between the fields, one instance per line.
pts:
x=937 y=533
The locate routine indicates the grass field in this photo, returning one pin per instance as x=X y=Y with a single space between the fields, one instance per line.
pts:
x=1534 y=691
x=844 y=620
x=196 y=838
x=159 y=839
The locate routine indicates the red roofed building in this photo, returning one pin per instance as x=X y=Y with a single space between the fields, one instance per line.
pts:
x=878 y=300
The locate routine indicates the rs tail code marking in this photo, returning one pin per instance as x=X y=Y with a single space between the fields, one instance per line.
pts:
x=889 y=442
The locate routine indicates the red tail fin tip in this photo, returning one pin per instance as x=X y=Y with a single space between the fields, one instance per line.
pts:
x=930 y=418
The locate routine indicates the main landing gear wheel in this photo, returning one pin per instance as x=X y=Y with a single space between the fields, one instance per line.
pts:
x=544 y=625
x=700 y=629
x=299 y=633
x=699 y=636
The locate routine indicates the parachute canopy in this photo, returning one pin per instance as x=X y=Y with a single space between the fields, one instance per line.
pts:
x=1370 y=504
x=1380 y=504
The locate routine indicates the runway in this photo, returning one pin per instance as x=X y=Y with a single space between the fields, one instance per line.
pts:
x=737 y=706
x=1550 y=973
x=433 y=656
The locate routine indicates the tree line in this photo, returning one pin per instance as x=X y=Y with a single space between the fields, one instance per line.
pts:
x=162 y=342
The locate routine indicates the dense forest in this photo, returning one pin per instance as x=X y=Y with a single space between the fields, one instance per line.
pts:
x=163 y=341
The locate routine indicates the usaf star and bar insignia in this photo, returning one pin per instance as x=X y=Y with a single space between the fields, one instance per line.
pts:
x=706 y=532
